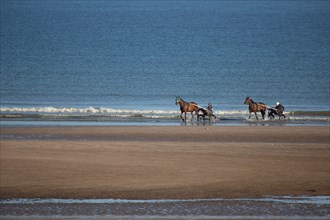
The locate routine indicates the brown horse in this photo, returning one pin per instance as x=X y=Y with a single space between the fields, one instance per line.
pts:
x=256 y=107
x=186 y=107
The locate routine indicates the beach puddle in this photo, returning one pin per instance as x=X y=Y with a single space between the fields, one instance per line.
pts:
x=312 y=206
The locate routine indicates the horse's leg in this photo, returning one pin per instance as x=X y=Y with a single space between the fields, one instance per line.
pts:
x=256 y=116
x=192 y=116
x=281 y=115
x=249 y=115
x=185 y=116
x=263 y=114
x=181 y=116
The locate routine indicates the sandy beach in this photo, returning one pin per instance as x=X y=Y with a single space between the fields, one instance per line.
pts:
x=164 y=162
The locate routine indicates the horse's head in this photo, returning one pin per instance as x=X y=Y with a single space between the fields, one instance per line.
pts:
x=177 y=100
x=247 y=100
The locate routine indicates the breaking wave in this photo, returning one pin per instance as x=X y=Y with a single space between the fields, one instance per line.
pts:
x=88 y=111
x=94 y=111
x=106 y=114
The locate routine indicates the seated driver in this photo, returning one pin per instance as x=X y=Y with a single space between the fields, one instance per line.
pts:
x=279 y=107
x=210 y=107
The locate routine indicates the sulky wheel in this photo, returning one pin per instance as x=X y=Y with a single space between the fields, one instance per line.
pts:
x=201 y=117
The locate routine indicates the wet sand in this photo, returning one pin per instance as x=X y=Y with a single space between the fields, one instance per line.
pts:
x=164 y=162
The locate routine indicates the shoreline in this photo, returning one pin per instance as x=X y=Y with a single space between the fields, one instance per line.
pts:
x=123 y=117
x=92 y=120
x=141 y=162
x=147 y=122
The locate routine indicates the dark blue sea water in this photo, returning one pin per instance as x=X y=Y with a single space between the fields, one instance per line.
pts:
x=134 y=57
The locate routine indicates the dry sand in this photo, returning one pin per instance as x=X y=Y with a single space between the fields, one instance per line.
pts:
x=164 y=162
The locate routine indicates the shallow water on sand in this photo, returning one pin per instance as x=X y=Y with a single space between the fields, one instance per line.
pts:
x=277 y=207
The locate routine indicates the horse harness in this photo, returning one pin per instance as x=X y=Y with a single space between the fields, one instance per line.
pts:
x=256 y=106
x=187 y=105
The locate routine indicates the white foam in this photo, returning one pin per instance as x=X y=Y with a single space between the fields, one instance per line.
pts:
x=83 y=110
x=126 y=113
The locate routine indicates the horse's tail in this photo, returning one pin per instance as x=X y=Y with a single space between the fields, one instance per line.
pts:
x=269 y=107
x=202 y=110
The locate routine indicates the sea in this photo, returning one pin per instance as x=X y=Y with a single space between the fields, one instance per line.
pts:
x=84 y=62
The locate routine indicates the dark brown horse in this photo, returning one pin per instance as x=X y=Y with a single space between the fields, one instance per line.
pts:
x=256 y=107
x=186 y=107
